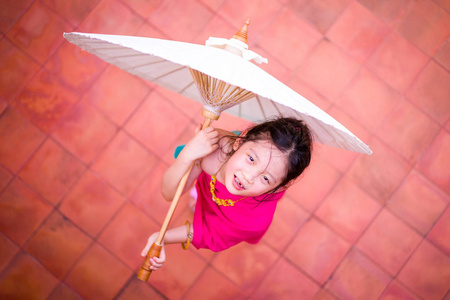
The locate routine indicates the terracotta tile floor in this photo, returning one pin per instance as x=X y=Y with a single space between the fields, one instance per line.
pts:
x=83 y=146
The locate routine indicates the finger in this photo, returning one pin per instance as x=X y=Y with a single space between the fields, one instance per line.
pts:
x=162 y=255
x=210 y=129
x=158 y=260
x=198 y=128
x=145 y=250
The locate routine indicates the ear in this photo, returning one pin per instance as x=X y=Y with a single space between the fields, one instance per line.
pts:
x=238 y=142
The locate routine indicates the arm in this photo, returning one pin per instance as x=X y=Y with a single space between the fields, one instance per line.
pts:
x=203 y=143
x=172 y=236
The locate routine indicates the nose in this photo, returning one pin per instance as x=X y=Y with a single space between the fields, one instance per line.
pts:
x=249 y=176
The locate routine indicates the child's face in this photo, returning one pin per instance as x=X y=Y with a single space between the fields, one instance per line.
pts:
x=254 y=169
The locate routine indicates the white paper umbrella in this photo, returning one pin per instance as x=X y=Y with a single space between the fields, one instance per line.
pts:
x=168 y=63
x=220 y=80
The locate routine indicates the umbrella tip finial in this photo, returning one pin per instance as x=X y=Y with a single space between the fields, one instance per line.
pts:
x=241 y=35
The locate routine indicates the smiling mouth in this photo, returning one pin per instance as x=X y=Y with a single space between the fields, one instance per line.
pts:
x=238 y=182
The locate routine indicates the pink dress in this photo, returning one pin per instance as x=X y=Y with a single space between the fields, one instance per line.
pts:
x=220 y=227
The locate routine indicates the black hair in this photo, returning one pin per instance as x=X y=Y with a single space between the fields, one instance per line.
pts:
x=292 y=137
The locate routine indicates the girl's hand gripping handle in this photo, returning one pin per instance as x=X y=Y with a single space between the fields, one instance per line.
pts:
x=145 y=271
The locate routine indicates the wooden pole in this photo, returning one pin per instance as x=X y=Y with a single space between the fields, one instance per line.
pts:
x=155 y=250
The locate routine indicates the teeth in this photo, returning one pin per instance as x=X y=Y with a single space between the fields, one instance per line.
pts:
x=238 y=182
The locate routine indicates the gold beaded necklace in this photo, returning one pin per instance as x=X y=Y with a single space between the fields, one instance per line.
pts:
x=220 y=202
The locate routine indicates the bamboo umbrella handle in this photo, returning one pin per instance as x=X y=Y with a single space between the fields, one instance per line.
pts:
x=155 y=250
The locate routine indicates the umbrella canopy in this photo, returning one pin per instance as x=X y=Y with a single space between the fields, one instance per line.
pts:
x=170 y=64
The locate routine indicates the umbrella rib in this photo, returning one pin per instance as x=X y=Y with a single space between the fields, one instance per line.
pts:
x=168 y=73
x=260 y=106
x=277 y=109
x=150 y=63
x=186 y=87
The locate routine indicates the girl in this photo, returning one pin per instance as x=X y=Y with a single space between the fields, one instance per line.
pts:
x=239 y=182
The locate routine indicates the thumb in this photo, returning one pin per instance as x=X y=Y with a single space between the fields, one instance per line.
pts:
x=146 y=249
x=198 y=128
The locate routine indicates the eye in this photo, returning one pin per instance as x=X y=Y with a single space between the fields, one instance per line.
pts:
x=266 y=179
x=251 y=159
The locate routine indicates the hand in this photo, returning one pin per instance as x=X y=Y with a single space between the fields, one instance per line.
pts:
x=156 y=262
x=203 y=143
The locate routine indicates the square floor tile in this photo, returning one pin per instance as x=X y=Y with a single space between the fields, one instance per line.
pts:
x=124 y=163
x=218 y=27
x=58 y=244
x=442 y=56
x=288 y=218
x=396 y=290
x=84 y=132
x=169 y=18
x=408 y=130
x=309 y=93
x=22 y=211
x=431 y=93
x=441 y=231
x=387 y=11
x=98 y=274
x=8 y=250
x=444 y=4
x=5 y=178
x=323 y=294
x=338 y=158
x=147 y=195
x=379 y=174
x=317 y=250
x=99 y=20
x=73 y=11
x=368 y=100
x=57 y=170
x=397 y=61
x=427 y=272
x=23 y=139
x=44 y=101
x=348 y=210
x=118 y=104
x=157 y=132
x=143 y=7
x=432 y=162
x=299 y=38
x=136 y=288
x=328 y=69
x=324 y=13
x=127 y=234
x=91 y=203
x=431 y=36
x=358 y=31
x=25 y=278
x=18 y=68
x=314 y=184
x=39 y=32
x=11 y=13
x=258 y=260
x=74 y=68
x=358 y=278
x=257 y=11
x=62 y=291
x=389 y=242
x=408 y=202
x=284 y=280
x=214 y=285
